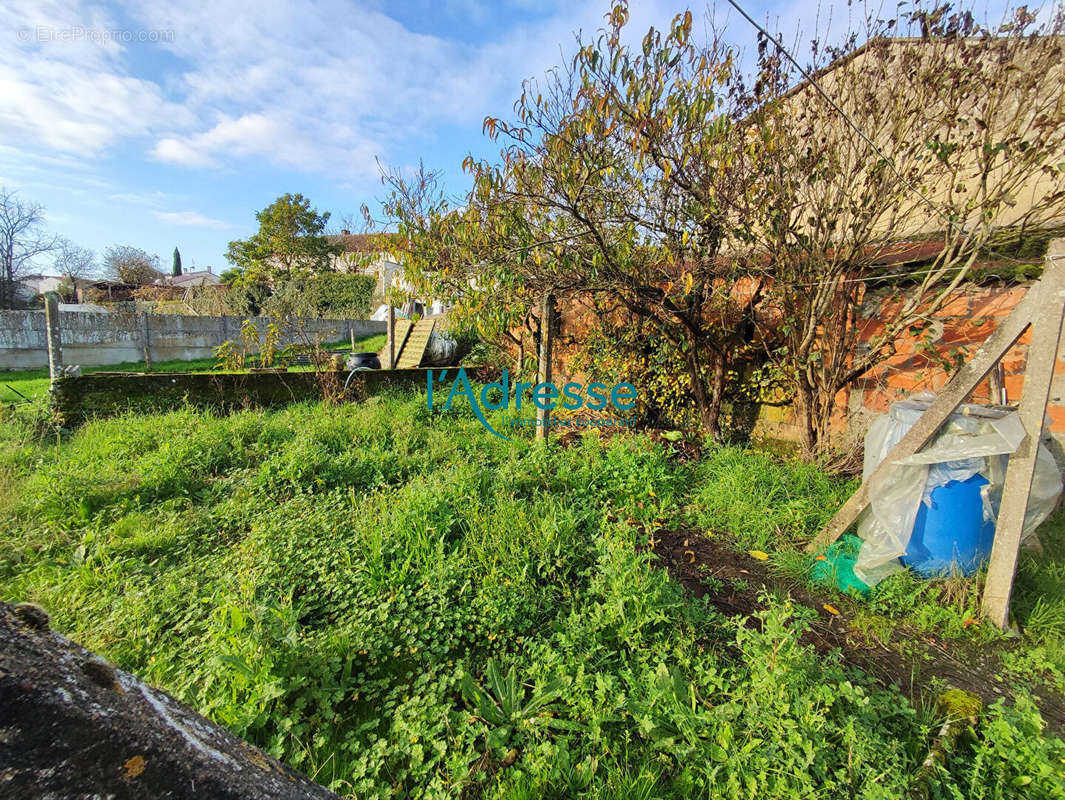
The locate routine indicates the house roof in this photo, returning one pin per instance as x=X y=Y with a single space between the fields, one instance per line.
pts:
x=199 y=278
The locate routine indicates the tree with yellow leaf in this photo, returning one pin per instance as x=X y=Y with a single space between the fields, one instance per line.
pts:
x=622 y=177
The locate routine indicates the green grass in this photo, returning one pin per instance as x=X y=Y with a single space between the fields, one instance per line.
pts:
x=17 y=386
x=767 y=503
x=399 y=604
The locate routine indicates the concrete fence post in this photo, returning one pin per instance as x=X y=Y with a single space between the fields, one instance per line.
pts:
x=1038 y=376
x=391 y=332
x=55 y=335
x=146 y=340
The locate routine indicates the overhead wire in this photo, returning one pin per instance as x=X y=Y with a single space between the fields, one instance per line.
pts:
x=861 y=133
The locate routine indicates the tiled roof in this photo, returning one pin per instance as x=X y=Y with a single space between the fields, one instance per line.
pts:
x=203 y=276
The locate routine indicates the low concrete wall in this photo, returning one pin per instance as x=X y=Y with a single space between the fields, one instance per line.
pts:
x=103 y=394
x=94 y=339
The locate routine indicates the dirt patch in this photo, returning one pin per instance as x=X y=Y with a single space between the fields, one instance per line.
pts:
x=912 y=661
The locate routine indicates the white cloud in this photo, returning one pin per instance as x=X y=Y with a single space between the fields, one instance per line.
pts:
x=332 y=89
x=65 y=92
x=272 y=135
x=59 y=30
x=190 y=218
x=178 y=151
x=69 y=110
x=326 y=91
x=326 y=87
x=140 y=198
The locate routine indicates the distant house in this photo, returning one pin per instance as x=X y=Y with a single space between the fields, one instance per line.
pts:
x=32 y=285
x=365 y=253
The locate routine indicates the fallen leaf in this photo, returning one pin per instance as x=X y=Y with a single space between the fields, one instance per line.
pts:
x=761 y=555
x=830 y=609
x=691 y=556
x=135 y=766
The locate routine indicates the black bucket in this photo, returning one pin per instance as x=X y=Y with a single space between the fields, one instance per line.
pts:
x=364 y=361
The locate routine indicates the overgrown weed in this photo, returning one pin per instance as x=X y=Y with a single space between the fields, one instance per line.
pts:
x=397 y=603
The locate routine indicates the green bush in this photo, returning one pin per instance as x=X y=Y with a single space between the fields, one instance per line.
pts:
x=338 y=294
x=330 y=294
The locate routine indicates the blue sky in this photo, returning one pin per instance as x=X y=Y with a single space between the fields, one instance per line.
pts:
x=154 y=124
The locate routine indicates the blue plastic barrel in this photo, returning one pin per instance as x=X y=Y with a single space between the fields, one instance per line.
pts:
x=951 y=535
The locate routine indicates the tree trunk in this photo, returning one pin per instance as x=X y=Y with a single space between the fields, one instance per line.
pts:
x=547 y=314
x=707 y=407
x=805 y=416
x=7 y=280
x=717 y=394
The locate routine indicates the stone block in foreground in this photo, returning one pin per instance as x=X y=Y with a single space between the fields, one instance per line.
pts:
x=74 y=726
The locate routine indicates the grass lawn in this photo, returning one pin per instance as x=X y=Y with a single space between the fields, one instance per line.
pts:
x=17 y=386
x=399 y=604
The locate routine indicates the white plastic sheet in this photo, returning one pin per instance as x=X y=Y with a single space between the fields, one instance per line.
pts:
x=974 y=440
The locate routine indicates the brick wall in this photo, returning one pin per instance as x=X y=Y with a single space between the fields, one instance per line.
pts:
x=957 y=330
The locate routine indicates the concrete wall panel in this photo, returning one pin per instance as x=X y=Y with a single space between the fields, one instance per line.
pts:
x=100 y=338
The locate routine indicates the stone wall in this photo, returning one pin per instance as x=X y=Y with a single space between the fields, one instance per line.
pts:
x=75 y=400
x=93 y=339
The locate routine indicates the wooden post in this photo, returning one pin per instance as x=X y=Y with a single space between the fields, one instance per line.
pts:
x=996 y=385
x=1043 y=307
x=547 y=318
x=391 y=336
x=1038 y=374
x=55 y=335
x=351 y=333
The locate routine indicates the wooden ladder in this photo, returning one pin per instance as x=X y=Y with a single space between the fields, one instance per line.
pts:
x=1042 y=309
